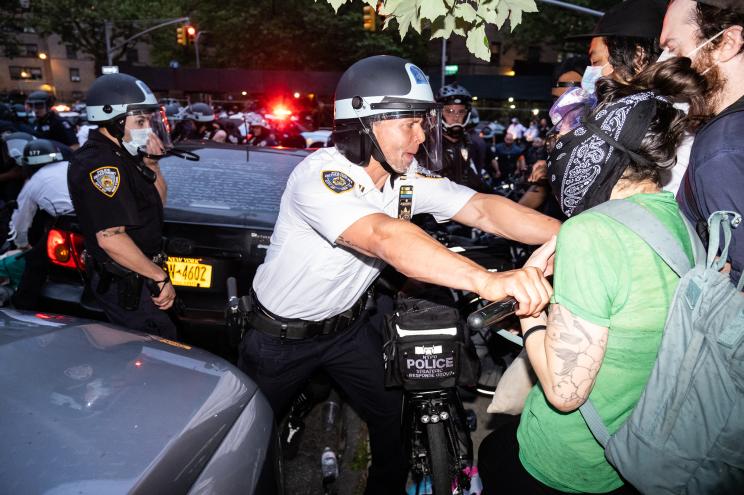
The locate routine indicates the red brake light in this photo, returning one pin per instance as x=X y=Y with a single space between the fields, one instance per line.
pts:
x=65 y=249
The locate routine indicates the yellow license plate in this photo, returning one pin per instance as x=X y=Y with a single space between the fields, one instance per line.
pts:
x=189 y=272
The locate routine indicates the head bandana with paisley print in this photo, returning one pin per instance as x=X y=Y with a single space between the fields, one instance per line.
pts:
x=587 y=162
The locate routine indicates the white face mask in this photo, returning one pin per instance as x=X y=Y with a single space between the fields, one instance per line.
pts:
x=591 y=75
x=667 y=54
x=138 y=139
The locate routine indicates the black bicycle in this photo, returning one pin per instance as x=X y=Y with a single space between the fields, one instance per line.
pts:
x=428 y=354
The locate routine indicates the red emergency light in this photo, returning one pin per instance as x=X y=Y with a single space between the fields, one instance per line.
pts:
x=281 y=112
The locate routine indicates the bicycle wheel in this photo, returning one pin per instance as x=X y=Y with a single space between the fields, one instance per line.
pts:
x=439 y=462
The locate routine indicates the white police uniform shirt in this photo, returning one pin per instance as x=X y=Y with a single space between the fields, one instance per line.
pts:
x=46 y=189
x=305 y=274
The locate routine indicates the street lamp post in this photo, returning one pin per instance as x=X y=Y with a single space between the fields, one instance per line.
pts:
x=107 y=34
x=196 y=47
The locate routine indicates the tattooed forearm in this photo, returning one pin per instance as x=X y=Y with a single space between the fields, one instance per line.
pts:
x=575 y=350
x=344 y=242
x=112 y=231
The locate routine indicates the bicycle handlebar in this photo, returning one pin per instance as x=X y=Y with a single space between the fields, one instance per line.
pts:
x=491 y=314
x=232 y=293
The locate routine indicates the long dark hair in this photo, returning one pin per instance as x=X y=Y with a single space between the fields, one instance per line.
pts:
x=629 y=55
x=676 y=80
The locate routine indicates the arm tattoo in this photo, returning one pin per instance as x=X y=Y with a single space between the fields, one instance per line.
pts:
x=577 y=355
x=113 y=231
x=344 y=242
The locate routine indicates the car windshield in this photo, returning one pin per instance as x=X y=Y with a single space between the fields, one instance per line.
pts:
x=228 y=186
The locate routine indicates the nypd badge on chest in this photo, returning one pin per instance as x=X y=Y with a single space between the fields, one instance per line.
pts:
x=106 y=180
x=337 y=182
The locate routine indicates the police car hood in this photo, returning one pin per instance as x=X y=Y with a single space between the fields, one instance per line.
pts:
x=89 y=408
x=235 y=186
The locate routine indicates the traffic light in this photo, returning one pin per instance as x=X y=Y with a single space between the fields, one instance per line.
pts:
x=369 y=16
x=181 y=35
x=190 y=34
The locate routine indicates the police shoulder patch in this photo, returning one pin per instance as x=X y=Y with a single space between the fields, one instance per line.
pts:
x=425 y=172
x=336 y=181
x=106 y=180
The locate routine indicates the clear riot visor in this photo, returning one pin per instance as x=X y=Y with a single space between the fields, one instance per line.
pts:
x=149 y=130
x=410 y=135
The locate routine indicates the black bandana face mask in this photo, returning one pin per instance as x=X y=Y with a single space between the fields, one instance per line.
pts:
x=587 y=162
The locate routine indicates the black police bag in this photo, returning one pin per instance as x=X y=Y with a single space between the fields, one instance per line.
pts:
x=427 y=347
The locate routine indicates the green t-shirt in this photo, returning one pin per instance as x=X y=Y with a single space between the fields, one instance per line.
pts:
x=607 y=275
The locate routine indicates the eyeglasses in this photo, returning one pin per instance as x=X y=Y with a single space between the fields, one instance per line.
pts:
x=459 y=113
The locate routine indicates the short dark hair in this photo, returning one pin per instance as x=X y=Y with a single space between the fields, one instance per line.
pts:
x=712 y=20
x=624 y=54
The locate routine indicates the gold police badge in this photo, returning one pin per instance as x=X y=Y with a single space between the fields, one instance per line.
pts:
x=106 y=180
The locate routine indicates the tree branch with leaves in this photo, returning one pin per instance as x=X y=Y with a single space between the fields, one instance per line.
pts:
x=467 y=18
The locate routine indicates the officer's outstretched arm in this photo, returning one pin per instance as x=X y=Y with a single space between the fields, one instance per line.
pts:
x=415 y=254
x=505 y=218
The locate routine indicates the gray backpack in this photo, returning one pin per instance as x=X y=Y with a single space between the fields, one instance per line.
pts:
x=686 y=434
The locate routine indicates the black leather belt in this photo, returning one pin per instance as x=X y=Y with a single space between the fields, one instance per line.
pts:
x=267 y=322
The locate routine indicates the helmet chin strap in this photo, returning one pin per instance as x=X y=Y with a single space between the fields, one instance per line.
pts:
x=378 y=155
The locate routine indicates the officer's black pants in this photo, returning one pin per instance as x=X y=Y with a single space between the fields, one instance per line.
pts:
x=33 y=278
x=146 y=318
x=353 y=359
x=37 y=263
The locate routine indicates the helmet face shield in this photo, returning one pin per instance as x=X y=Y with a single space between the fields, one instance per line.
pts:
x=147 y=131
x=409 y=135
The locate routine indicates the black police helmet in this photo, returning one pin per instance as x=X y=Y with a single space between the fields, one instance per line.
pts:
x=13 y=144
x=172 y=109
x=454 y=94
x=111 y=96
x=40 y=97
x=200 y=112
x=40 y=152
x=373 y=88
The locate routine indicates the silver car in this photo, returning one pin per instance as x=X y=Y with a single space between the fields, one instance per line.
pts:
x=90 y=408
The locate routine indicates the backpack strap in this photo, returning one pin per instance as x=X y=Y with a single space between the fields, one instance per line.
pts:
x=718 y=222
x=649 y=228
x=594 y=422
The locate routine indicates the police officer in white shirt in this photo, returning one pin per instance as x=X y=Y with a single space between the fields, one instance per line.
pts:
x=45 y=190
x=344 y=214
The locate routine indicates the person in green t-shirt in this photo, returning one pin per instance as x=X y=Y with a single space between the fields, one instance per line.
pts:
x=611 y=291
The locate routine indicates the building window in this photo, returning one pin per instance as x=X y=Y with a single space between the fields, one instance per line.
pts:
x=25 y=73
x=533 y=54
x=132 y=55
x=71 y=52
x=29 y=50
x=495 y=53
x=74 y=75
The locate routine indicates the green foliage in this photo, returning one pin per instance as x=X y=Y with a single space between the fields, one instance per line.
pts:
x=467 y=18
x=285 y=35
x=11 y=24
x=81 y=23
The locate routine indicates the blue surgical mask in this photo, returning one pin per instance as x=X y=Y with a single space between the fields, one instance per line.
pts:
x=591 y=75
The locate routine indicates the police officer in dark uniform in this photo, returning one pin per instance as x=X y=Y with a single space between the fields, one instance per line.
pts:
x=458 y=152
x=49 y=125
x=118 y=192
